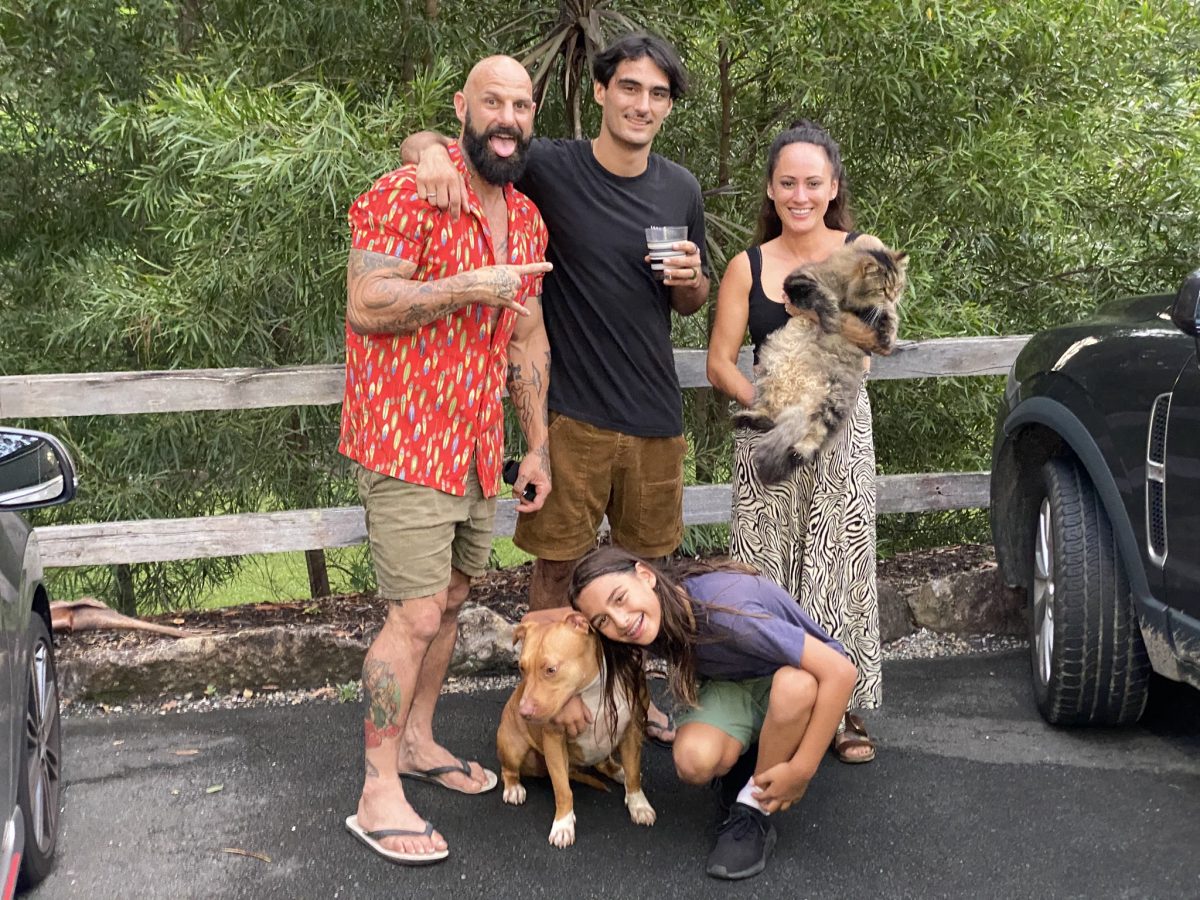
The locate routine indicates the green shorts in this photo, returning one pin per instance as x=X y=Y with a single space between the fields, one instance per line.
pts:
x=738 y=708
x=418 y=534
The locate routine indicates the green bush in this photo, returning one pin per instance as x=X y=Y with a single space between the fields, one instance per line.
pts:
x=174 y=180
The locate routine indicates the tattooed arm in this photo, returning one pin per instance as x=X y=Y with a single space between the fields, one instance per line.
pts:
x=383 y=298
x=528 y=386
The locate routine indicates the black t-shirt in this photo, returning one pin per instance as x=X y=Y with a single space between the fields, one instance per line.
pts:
x=608 y=320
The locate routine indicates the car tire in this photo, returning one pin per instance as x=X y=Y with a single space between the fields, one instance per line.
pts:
x=39 y=781
x=1089 y=662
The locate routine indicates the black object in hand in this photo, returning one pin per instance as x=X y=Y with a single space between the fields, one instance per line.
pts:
x=510 y=477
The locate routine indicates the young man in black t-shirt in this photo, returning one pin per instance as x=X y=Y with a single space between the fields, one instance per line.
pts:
x=616 y=426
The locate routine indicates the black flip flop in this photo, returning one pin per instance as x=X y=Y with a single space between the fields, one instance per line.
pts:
x=372 y=838
x=432 y=776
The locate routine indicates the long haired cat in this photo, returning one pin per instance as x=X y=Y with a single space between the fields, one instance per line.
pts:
x=809 y=375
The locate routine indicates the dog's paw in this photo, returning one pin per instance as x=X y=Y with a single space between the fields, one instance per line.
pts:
x=562 y=832
x=514 y=795
x=640 y=810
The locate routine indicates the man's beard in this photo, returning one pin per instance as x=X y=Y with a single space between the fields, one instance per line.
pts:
x=497 y=170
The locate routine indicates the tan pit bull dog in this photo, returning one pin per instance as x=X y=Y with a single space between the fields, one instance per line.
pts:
x=562 y=658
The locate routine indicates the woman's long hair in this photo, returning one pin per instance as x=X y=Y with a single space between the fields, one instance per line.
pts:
x=677 y=635
x=838 y=216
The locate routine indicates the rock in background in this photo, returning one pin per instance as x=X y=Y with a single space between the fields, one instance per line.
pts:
x=973 y=602
x=254 y=659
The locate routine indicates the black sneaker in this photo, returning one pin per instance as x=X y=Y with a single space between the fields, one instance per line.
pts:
x=729 y=785
x=744 y=841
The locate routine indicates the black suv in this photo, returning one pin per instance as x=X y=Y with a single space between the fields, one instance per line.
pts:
x=1095 y=504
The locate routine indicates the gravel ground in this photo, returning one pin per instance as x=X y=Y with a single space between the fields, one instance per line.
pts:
x=923 y=644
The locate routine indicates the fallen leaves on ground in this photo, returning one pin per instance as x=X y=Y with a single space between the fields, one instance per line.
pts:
x=237 y=851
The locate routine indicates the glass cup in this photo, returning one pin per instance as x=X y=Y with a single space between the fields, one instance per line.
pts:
x=659 y=239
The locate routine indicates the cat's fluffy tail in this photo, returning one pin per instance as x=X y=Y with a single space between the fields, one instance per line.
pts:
x=775 y=458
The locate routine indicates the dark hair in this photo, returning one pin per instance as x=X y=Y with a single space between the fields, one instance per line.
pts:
x=838 y=216
x=677 y=632
x=636 y=45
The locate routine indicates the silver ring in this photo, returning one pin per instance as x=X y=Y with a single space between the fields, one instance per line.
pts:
x=431 y=196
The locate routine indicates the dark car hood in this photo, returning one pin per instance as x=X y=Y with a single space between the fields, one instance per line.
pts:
x=1129 y=310
x=1144 y=318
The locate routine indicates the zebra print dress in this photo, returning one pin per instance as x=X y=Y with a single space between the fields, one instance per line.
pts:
x=814 y=534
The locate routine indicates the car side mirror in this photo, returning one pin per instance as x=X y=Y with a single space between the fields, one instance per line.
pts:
x=1187 y=305
x=35 y=470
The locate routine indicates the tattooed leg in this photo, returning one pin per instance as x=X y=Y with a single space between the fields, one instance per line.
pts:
x=419 y=749
x=385 y=703
x=389 y=682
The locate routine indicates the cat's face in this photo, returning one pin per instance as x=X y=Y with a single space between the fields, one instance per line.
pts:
x=802 y=187
x=878 y=279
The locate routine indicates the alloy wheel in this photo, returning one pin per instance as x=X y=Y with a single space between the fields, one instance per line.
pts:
x=43 y=746
x=1043 y=592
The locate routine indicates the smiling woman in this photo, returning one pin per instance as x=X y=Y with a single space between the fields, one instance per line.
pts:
x=814 y=532
x=748 y=668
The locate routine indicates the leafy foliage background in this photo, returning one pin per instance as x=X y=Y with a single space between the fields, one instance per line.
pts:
x=174 y=178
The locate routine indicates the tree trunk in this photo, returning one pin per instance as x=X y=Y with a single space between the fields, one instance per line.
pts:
x=725 y=136
x=573 y=104
x=431 y=14
x=189 y=25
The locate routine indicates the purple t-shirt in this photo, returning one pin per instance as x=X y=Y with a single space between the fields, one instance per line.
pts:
x=767 y=631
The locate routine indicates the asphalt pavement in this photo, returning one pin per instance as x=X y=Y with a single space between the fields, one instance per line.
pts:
x=972 y=795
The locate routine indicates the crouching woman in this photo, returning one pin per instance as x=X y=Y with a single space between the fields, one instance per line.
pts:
x=747 y=665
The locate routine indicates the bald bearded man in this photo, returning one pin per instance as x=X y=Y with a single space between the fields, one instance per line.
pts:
x=442 y=312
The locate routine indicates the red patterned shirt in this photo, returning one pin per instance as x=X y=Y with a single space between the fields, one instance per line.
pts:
x=419 y=406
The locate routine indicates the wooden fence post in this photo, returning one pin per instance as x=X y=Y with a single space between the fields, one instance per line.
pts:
x=318 y=573
x=126 y=600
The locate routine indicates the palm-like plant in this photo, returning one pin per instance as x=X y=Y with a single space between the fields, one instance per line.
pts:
x=581 y=29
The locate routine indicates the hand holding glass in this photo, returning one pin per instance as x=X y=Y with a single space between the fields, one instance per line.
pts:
x=659 y=241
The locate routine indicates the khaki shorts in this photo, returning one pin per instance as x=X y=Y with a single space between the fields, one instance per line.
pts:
x=636 y=481
x=738 y=708
x=418 y=534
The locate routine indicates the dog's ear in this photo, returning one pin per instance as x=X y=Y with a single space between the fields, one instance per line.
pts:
x=578 y=622
x=519 y=633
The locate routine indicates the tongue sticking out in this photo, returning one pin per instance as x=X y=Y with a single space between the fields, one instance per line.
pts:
x=502 y=146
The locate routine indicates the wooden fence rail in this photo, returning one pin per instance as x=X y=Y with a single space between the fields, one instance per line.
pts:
x=189 y=390
x=157 y=540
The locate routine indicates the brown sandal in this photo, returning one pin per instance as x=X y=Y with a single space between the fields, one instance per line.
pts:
x=853 y=734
